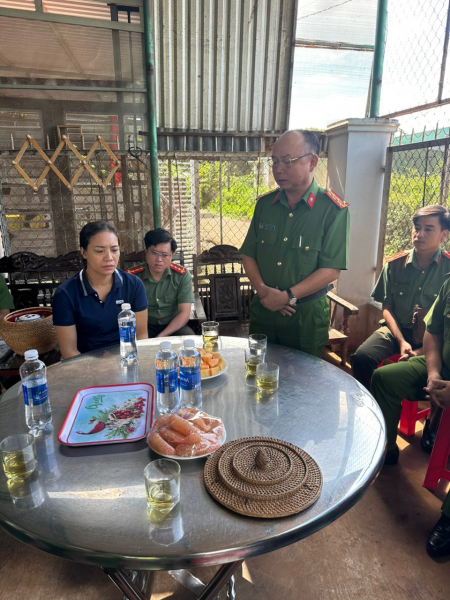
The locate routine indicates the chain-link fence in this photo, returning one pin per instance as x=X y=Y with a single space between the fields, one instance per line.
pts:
x=206 y=199
x=416 y=175
x=415 y=91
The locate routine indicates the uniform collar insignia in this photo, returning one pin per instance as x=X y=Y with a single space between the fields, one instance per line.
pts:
x=311 y=200
x=276 y=198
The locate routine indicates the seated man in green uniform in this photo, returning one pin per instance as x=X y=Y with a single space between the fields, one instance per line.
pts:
x=296 y=245
x=168 y=286
x=409 y=280
x=420 y=378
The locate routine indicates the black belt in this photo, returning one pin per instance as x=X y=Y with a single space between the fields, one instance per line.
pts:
x=317 y=294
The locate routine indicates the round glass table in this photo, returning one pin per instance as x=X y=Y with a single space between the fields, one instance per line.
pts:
x=88 y=503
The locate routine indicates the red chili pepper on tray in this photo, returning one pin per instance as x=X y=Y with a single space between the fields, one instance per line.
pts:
x=99 y=427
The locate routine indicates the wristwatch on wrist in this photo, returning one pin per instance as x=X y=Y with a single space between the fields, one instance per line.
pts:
x=292 y=298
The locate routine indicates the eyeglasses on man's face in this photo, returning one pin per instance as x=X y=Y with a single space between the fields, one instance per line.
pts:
x=163 y=255
x=287 y=162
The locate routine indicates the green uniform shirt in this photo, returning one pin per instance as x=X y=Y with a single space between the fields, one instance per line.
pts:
x=403 y=285
x=165 y=295
x=6 y=300
x=438 y=320
x=290 y=244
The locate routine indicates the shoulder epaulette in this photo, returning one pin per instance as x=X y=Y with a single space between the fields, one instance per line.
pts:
x=446 y=254
x=268 y=193
x=336 y=199
x=395 y=256
x=178 y=268
x=135 y=270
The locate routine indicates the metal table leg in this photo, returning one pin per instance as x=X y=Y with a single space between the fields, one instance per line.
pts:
x=224 y=576
x=125 y=585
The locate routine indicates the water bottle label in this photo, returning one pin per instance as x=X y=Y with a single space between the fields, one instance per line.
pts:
x=35 y=395
x=189 y=379
x=166 y=381
x=127 y=334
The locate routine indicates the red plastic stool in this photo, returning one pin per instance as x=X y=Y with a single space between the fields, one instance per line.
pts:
x=410 y=414
x=410 y=410
x=437 y=467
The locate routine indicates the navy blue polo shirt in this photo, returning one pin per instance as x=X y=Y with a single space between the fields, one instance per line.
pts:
x=76 y=303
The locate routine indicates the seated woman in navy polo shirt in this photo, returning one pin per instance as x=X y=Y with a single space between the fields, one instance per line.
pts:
x=86 y=306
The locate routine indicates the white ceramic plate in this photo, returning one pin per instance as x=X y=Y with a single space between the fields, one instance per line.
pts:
x=217 y=374
x=175 y=457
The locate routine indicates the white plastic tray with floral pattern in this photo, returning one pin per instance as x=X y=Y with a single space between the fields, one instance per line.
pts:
x=109 y=414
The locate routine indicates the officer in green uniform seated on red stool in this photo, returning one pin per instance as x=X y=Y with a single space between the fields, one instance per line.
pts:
x=420 y=378
x=168 y=286
x=408 y=280
x=296 y=245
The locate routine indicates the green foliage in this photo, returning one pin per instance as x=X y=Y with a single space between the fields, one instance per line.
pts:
x=408 y=192
x=240 y=184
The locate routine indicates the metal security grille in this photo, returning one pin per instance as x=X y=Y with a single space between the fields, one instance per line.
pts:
x=416 y=175
x=209 y=199
x=206 y=199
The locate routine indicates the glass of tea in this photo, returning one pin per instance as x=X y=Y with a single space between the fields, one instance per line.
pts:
x=252 y=361
x=18 y=455
x=210 y=333
x=162 y=484
x=267 y=375
x=257 y=342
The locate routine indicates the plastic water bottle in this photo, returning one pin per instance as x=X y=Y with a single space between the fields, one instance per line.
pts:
x=127 y=331
x=33 y=372
x=190 y=385
x=167 y=398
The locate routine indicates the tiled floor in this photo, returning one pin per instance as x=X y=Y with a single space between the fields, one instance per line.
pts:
x=376 y=551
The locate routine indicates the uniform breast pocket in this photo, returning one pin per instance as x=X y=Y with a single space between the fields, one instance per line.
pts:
x=171 y=296
x=265 y=243
x=401 y=293
x=430 y=294
x=307 y=254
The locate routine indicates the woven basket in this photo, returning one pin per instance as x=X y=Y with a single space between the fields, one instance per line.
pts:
x=263 y=477
x=39 y=335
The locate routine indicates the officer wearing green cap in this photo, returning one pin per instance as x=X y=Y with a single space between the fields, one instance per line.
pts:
x=420 y=378
x=296 y=245
x=168 y=286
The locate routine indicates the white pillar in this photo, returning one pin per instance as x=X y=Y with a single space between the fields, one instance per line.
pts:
x=356 y=159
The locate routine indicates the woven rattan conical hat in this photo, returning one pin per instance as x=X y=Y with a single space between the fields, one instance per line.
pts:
x=263 y=477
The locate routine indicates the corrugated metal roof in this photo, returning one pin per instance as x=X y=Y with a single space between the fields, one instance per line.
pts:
x=223 y=65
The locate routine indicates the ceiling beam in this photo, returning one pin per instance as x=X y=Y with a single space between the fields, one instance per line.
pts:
x=68 y=20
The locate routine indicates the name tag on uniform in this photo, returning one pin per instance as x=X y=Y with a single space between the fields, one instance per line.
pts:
x=120 y=301
x=267 y=226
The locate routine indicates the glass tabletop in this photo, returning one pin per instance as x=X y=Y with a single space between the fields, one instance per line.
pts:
x=88 y=503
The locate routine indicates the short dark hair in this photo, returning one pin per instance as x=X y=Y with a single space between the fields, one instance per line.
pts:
x=434 y=210
x=159 y=236
x=91 y=229
x=311 y=139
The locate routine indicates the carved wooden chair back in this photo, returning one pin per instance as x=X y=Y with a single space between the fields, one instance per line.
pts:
x=32 y=279
x=221 y=283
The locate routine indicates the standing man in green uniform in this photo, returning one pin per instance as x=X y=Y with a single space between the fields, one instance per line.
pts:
x=296 y=245
x=168 y=286
x=420 y=378
x=409 y=280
